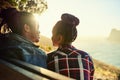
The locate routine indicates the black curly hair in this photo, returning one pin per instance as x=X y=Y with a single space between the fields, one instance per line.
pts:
x=67 y=27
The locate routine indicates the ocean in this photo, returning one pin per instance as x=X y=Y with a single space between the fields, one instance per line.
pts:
x=100 y=49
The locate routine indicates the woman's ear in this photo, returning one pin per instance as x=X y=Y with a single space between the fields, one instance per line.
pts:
x=60 y=39
x=26 y=28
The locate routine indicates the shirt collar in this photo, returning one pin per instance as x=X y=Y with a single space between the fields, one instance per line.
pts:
x=65 y=46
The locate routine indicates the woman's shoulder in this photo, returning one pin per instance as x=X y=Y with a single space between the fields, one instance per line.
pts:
x=82 y=53
x=51 y=53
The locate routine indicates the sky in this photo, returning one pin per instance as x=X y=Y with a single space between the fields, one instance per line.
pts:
x=97 y=17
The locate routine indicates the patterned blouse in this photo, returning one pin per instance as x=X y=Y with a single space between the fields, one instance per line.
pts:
x=71 y=62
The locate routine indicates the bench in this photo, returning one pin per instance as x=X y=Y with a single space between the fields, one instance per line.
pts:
x=12 y=69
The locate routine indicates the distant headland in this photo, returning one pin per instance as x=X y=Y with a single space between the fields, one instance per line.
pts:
x=114 y=35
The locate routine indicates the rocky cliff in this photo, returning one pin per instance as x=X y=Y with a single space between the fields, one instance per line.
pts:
x=114 y=35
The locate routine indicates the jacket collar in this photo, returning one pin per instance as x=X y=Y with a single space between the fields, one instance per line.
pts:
x=19 y=38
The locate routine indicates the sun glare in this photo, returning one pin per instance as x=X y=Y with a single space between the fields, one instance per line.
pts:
x=36 y=17
x=43 y=26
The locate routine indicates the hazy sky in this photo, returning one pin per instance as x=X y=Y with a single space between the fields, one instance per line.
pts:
x=97 y=17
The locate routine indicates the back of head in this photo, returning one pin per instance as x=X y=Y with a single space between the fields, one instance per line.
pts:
x=7 y=16
x=67 y=27
x=15 y=19
x=70 y=19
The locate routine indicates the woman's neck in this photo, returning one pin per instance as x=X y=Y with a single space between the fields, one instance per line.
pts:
x=64 y=45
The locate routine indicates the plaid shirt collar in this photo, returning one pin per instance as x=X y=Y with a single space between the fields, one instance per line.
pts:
x=65 y=46
x=66 y=49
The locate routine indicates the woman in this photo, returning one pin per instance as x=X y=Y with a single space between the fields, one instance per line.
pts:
x=68 y=60
x=22 y=31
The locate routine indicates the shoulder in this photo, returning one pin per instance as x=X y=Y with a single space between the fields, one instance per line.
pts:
x=50 y=56
x=41 y=51
x=86 y=56
x=51 y=53
x=82 y=53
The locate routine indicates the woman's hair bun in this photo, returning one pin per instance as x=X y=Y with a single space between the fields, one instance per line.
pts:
x=70 y=19
x=9 y=12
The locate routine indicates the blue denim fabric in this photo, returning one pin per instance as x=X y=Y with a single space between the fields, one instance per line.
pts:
x=16 y=46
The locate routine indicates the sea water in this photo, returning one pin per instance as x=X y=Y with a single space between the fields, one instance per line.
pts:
x=101 y=49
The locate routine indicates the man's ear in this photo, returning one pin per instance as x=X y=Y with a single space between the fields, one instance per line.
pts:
x=26 y=28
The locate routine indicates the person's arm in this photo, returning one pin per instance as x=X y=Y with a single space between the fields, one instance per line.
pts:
x=12 y=52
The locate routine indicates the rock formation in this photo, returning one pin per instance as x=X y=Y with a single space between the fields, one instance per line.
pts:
x=114 y=35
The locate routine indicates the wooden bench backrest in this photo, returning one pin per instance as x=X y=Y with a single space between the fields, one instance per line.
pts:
x=12 y=69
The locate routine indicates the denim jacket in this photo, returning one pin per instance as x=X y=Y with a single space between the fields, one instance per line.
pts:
x=17 y=47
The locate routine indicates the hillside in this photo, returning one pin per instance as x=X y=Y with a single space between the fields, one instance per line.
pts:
x=45 y=43
x=103 y=71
